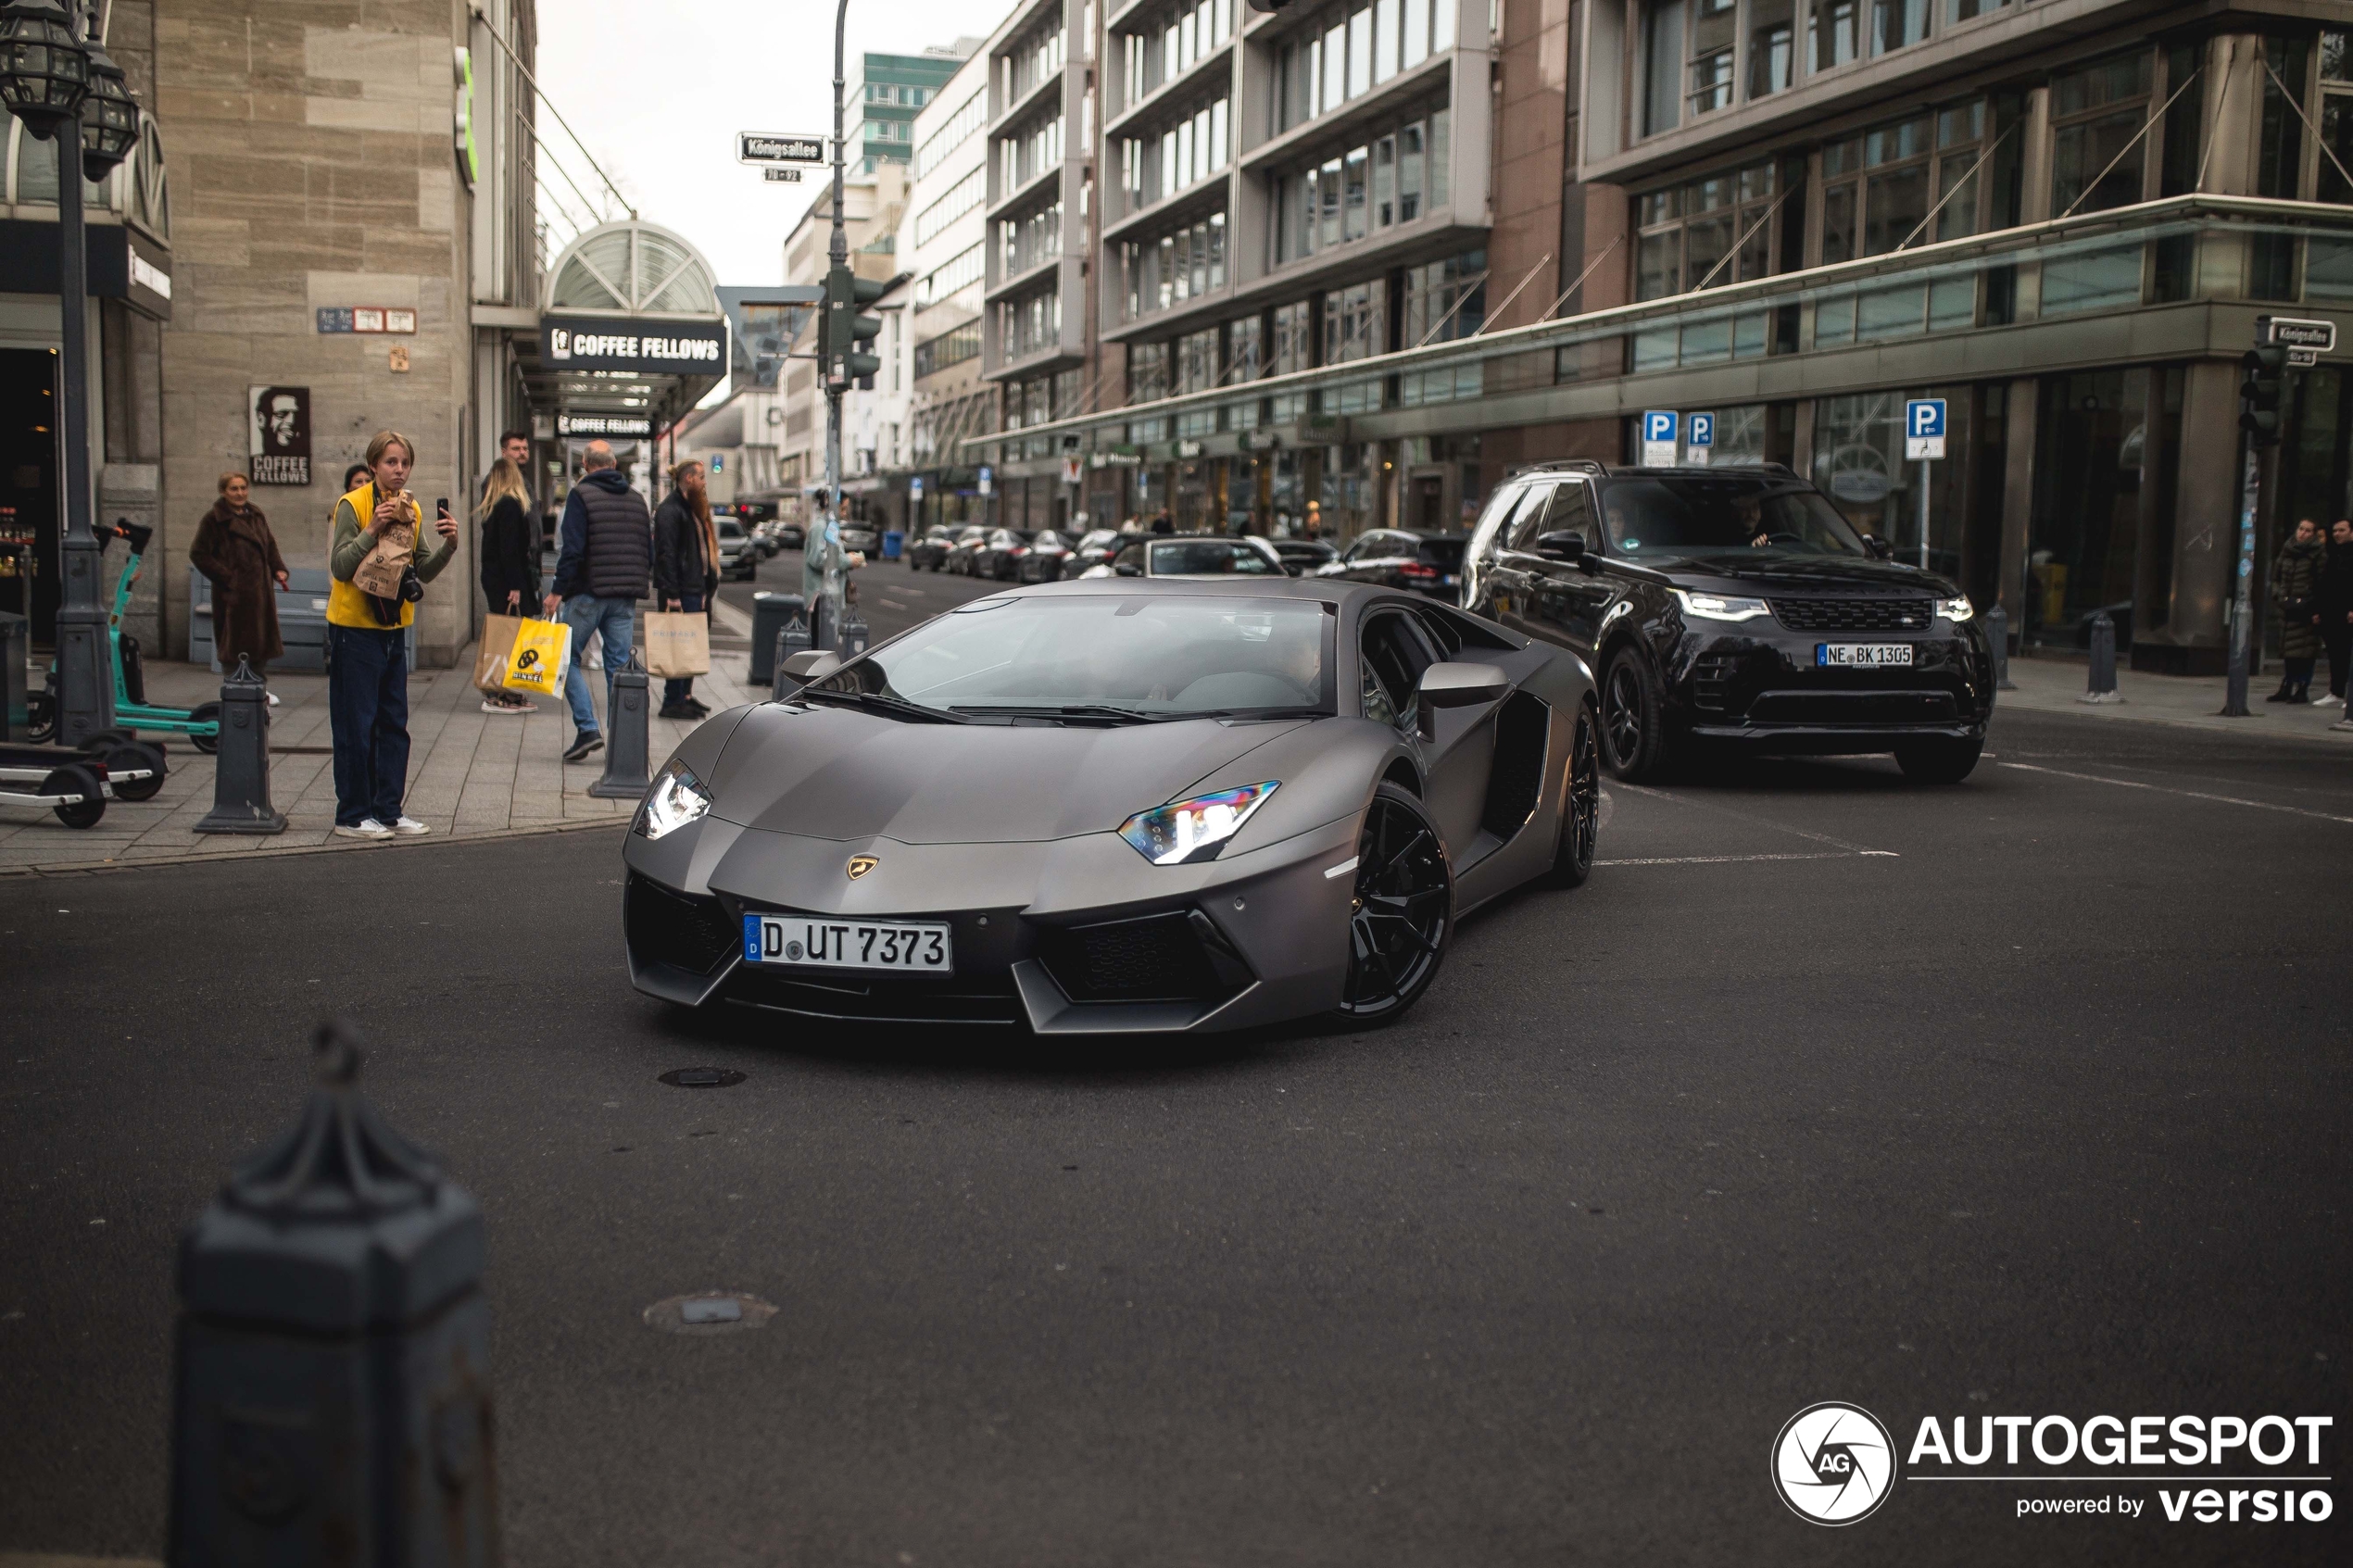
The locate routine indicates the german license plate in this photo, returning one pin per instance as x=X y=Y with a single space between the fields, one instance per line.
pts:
x=1863 y=656
x=906 y=946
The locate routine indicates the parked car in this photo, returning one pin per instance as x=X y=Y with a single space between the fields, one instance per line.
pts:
x=1000 y=555
x=1048 y=552
x=968 y=542
x=739 y=562
x=930 y=547
x=1301 y=556
x=1192 y=555
x=1734 y=606
x=864 y=537
x=790 y=535
x=1399 y=558
x=1095 y=547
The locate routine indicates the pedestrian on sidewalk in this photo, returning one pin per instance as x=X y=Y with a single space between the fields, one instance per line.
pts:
x=354 y=476
x=604 y=560
x=2336 y=606
x=368 y=645
x=685 y=569
x=2296 y=589
x=509 y=561
x=239 y=556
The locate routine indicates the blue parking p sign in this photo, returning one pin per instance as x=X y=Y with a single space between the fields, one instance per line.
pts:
x=1924 y=428
x=1660 y=427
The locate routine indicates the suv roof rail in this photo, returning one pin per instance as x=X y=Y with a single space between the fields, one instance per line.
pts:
x=1561 y=465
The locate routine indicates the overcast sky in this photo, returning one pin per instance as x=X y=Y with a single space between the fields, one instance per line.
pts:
x=659 y=91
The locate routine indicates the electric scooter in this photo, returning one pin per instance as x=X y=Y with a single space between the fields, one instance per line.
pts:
x=201 y=724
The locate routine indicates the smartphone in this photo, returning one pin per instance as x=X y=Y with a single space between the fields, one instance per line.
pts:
x=441 y=505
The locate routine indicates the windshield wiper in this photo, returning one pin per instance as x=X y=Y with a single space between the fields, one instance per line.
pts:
x=1105 y=711
x=878 y=702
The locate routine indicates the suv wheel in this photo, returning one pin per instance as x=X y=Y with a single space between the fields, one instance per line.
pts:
x=1635 y=741
x=1938 y=761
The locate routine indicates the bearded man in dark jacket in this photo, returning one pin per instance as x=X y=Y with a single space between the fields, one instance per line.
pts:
x=604 y=560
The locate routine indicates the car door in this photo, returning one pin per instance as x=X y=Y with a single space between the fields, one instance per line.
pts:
x=1455 y=755
x=1568 y=599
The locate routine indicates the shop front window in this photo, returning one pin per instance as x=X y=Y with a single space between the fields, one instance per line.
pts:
x=1859 y=464
x=2091 y=458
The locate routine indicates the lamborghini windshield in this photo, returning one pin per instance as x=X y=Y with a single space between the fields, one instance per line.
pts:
x=1110 y=658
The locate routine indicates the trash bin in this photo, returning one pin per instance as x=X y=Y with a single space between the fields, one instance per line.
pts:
x=893 y=541
x=16 y=645
x=771 y=613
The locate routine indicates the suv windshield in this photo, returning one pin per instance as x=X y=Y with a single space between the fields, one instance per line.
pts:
x=1680 y=515
x=1154 y=656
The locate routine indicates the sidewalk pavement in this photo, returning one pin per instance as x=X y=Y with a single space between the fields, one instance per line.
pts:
x=2054 y=685
x=470 y=775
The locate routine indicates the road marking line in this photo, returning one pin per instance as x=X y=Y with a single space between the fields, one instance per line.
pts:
x=1760 y=821
x=893 y=603
x=1730 y=860
x=2186 y=794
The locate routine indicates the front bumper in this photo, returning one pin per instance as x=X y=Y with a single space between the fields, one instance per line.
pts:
x=1758 y=684
x=1075 y=936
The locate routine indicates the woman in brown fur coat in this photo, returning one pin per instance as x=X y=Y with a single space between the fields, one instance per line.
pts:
x=236 y=550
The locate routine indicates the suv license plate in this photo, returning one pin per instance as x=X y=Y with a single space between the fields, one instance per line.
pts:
x=906 y=946
x=1863 y=656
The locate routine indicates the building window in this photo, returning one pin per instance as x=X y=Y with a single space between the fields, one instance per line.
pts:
x=953 y=203
x=1969 y=10
x=1030 y=241
x=1163 y=50
x=1153 y=167
x=1834 y=33
x=969 y=116
x=1355 y=327
x=1895 y=24
x=1772 y=46
x=1033 y=60
x=952 y=277
x=1722 y=228
x=1029 y=326
x=1176 y=267
x=1715 y=24
x=2095 y=113
x=1028 y=152
x=1442 y=301
x=1397 y=177
x=1349 y=50
x=1878 y=191
x=2328 y=266
x=950 y=347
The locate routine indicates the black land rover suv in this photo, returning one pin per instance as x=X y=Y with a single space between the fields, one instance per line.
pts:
x=1734 y=603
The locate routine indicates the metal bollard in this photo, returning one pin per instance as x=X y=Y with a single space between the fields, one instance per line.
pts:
x=1998 y=631
x=792 y=638
x=627 y=766
x=331 y=1398
x=821 y=623
x=2101 y=686
x=854 y=635
x=241 y=767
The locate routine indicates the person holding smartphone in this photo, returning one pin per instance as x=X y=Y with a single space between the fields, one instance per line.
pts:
x=368 y=647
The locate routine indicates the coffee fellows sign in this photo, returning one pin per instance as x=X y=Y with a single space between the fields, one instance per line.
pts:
x=634 y=343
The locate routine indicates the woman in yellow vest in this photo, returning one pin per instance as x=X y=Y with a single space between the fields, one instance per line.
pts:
x=367 y=648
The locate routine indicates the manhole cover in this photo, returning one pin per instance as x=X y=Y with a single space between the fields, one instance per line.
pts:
x=702 y=1078
x=708 y=1311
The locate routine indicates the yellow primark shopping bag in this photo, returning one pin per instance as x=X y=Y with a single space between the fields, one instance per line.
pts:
x=541 y=657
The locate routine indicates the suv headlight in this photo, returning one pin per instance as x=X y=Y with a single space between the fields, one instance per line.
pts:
x=1955 y=610
x=1195 y=829
x=1717 y=607
x=677 y=799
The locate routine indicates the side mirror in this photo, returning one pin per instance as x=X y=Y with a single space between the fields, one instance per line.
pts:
x=809 y=664
x=1126 y=570
x=1879 y=548
x=1456 y=684
x=1567 y=545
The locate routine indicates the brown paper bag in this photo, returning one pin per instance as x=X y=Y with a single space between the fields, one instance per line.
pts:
x=498 y=646
x=395 y=551
x=677 y=643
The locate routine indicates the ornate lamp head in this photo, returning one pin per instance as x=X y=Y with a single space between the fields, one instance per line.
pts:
x=44 y=69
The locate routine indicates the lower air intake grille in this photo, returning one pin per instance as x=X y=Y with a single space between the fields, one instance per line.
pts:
x=675 y=928
x=1855 y=615
x=1711 y=676
x=1155 y=959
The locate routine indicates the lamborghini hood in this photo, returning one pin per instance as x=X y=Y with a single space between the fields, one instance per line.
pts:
x=834 y=772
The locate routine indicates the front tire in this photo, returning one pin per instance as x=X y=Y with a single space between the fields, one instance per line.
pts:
x=1402 y=913
x=1938 y=761
x=1582 y=811
x=1635 y=742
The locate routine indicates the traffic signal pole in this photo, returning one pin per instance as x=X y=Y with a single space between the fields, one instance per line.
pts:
x=2263 y=371
x=838 y=261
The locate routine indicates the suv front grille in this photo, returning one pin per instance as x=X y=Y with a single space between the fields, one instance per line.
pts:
x=1855 y=615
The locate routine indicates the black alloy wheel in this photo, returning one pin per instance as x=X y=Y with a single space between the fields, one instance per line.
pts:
x=1403 y=911
x=1634 y=740
x=1582 y=811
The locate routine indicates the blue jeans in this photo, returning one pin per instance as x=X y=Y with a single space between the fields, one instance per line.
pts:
x=678 y=688
x=616 y=621
x=367 y=714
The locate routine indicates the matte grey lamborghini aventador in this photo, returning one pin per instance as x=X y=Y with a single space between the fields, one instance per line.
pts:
x=1115 y=807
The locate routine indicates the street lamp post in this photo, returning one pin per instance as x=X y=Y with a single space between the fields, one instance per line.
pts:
x=51 y=79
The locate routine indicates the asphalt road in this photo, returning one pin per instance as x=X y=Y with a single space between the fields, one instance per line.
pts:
x=2028 y=1096
x=889 y=595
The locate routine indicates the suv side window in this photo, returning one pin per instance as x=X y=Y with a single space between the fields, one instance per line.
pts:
x=1498 y=515
x=1393 y=653
x=1569 y=511
x=1529 y=521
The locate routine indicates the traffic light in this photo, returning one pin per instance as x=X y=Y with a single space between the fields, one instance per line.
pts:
x=2259 y=393
x=847 y=333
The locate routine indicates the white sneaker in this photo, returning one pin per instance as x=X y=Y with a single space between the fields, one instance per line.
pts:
x=274 y=698
x=409 y=827
x=370 y=827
